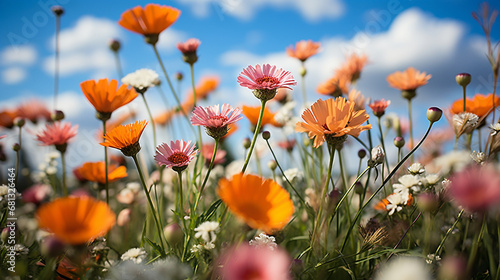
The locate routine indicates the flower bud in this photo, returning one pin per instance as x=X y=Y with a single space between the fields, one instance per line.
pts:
x=16 y=147
x=246 y=143
x=57 y=10
x=51 y=247
x=272 y=165
x=358 y=188
x=20 y=122
x=362 y=153
x=434 y=114
x=463 y=79
x=303 y=71
x=266 y=135
x=399 y=142
x=173 y=234
x=4 y=235
x=179 y=76
x=377 y=156
x=57 y=115
x=115 y=45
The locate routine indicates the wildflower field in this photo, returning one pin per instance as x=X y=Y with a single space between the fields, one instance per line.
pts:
x=332 y=188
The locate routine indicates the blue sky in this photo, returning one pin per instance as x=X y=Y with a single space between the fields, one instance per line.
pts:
x=439 y=37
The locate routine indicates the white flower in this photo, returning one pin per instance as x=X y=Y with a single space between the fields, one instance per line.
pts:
x=265 y=241
x=21 y=249
x=377 y=156
x=234 y=168
x=51 y=170
x=137 y=255
x=432 y=179
x=286 y=116
x=169 y=269
x=465 y=123
x=407 y=182
x=4 y=190
x=207 y=231
x=495 y=128
x=478 y=157
x=141 y=79
x=133 y=186
x=416 y=168
x=396 y=201
x=404 y=268
x=453 y=161
x=431 y=258
x=53 y=155
x=209 y=246
x=294 y=173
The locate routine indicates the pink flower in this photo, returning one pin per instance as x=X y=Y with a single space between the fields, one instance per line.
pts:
x=36 y=193
x=254 y=262
x=288 y=144
x=190 y=46
x=265 y=77
x=208 y=149
x=215 y=120
x=178 y=155
x=476 y=188
x=57 y=134
x=379 y=106
x=123 y=217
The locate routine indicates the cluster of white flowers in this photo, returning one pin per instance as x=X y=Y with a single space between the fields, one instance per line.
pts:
x=478 y=157
x=136 y=255
x=264 y=240
x=141 y=79
x=49 y=167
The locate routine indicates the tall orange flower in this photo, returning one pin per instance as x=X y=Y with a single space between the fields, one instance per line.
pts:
x=252 y=113
x=335 y=86
x=480 y=105
x=303 y=49
x=106 y=97
x=332 y=120
x=95 y=172
x=126 y=138
x=408 y=81
x=353 y=66
x=76 y=220
x=205 y=86
x=149 y=21
x=262 y=204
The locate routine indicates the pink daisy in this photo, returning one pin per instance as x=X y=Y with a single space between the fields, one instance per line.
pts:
x=476 y=188
x=254 y=262
x=379 y=106
x=178 y=155
x=265 y=77
x=190 y=46
x=57 y=134
x=216 y=121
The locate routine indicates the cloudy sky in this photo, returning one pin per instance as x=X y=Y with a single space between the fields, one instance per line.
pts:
x=438 y=37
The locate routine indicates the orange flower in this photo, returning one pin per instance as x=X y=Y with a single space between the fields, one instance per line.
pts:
x=252 y=113
x=105 y=97
x=262 y=204
x=480 y=105
x=95 y=172
x=335 y=86
x=126 y=138
x=353 y=66
x=33 y=110
x=7 y=118
x=231 y=128
x=150 y=20
x=409 y=80
x=165 y=117
x=76 y=220
x=303 y=50
x=205 y=86
x=327 y=120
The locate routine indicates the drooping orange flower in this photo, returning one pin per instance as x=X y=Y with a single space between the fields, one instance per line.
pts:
x=76 y=220
x=410 y=79
x=329 y=119
x=150 y=20
x=303 y=49
x=205 y=86
x=262 y=204
x=252 y=114
x=335 y=86
x=33 y=110
x=7 y=118
x=480 y=105
x=353 y=66
x=126 y=138
x=95 y=172
x=106 y=97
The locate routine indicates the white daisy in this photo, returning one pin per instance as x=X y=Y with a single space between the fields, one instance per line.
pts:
x=136 y=255
x=207 y=231
x=141 y=79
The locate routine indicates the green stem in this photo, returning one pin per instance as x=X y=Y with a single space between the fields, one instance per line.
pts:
x=475 y=246
x=411 y=123
x=256 y=132
x=118 y=64
x=106 y=184
x=181 y=196
x=191 y=66
x=216 y=146
x=465 y=95
x=64 y=186
x=303 y=82
x=441 y=244
x=383 y=145
x=404 y=235
x=148 y=196
x=349 y=190
x=56 y=69
x=151 y=118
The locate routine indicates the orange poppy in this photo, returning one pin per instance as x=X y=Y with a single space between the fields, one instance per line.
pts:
x=353 y=66
x=335 y=86
x=76 y=220
x=150 y=20
x=303 y=50
x=205 y=86
x=410 y=79
x=125 y=138
x=95 y=172
x=106 y=97
x=252 y=113
x=327 y=120
x=262 y=204
x=480 y=105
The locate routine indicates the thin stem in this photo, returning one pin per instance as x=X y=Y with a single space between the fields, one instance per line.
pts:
x=106 y=184
x=406 y=232
x=465 y=95
x=150 y=117
x=216 y=146
x=441 y=244
x=191 y=66
x=148 y=196
x=56 y=69
x=475 y=246
x=383 y=145
x=64 y=186
x=118 y=64
x=303 y=82
x=349 y=190
x=411 y=123
x=181 y=196
x=256 y=132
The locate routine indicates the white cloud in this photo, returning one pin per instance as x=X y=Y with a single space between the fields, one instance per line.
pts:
x=25 y=54
x=84 y=47
x=169 y=38
x=13 y=75
x=312 y=10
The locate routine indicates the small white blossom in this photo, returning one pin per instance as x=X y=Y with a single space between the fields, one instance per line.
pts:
x=53 y=155
x=141 y=79
x=21 y=249
x=133 y=186
x=478 y=157
x=396 y=202
x=416 y=168
x=407 y=182
x=209 y=246
x=264 y=240
x=377 y=156
x=207 y=231
x=200 y=247
x=137 y=255
x=4 y=190
x=432 y=179
x=51 y=170
x=293 y=173
x=431 y=258
x=495 y=128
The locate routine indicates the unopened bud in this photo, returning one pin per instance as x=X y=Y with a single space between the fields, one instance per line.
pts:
x=377 y=156
x=51 y=247
x=303 y=71
x=57 y=115
x=19 y=122
x=399 y=142
x=434 y=114
x=266 y=135
x=463 y=79
x=246 y=143
x=179 y=76
x=16 y=147
x=57 y=10
x=272 y=165
x=115 y=45
x=362 y=153
x=358 y=188
x=173 y=234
